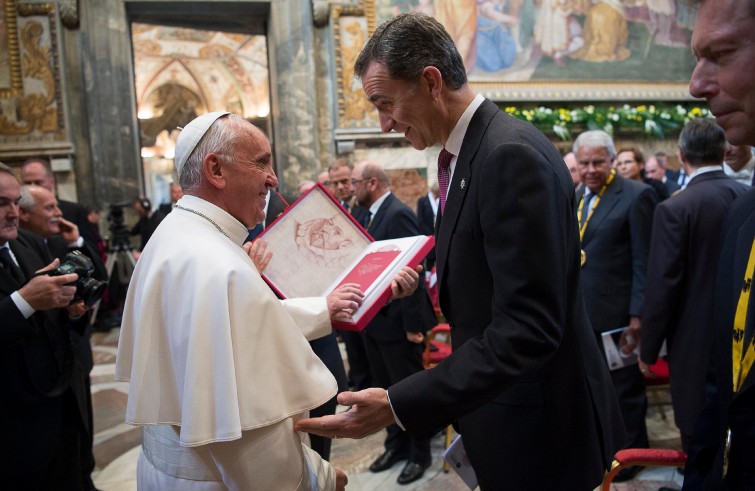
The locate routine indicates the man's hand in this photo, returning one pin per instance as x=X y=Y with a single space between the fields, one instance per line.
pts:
x=630 y=338
x=415 y=337
x=256 y=250
x=49 y=292
x=77 y=309
x=341 y=480
x=369 y=412
x=645 y=369
x=405 y=282
x=68 y=230
x=344 y=301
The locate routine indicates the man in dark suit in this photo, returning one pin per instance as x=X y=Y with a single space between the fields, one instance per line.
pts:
x=615 y=216
x=394 y=339
x=175 y=194
x=684 y=249
x=722 y=453
x=42 y=439
x=526 y=383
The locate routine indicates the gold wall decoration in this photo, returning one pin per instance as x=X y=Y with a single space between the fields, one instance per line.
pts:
x=10 y=65
x=32 y=117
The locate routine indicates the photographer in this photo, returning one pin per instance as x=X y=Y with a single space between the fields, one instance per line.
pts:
x=45 y=428
x=45 y=231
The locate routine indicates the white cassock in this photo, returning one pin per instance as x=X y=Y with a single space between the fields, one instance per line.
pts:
x=218 y=367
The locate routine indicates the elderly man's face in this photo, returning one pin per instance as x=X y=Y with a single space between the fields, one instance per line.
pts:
x=251 y=175
x=44 y=217
x=724 y=44
x=594 y=166
x=402 y=107
x=35 y=174
x=10 y=193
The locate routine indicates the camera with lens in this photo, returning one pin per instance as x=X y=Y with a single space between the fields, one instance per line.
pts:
x=88 y=289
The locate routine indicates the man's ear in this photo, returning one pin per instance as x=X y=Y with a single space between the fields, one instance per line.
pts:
x=23 y=215
x=214 y=170
x=433 y=79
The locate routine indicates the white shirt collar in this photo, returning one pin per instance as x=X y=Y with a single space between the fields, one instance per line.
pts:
x=376 y=205
x=456 y=137
x=704 y=170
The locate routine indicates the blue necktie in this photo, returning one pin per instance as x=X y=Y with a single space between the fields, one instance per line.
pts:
x=254 y=232
x=10 y=266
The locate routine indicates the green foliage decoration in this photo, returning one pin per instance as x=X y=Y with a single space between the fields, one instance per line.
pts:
x=654 y=120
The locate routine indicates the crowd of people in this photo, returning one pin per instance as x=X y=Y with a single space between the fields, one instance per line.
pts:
x=227 y=379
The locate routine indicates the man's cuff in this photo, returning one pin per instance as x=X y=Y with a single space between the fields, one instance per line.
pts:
x=398 y=422
x=22 y=305
x=78 y=244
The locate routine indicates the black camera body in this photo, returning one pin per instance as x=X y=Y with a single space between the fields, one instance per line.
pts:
x=88 y=289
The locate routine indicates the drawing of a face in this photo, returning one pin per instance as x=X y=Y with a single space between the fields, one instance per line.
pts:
x=323 y=242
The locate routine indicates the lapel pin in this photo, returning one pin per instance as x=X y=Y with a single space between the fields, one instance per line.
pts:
x=463 y=183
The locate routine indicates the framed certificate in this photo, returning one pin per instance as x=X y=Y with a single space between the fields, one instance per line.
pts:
x=319 y=246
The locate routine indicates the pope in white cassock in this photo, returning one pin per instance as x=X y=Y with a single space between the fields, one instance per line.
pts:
x=219 y=368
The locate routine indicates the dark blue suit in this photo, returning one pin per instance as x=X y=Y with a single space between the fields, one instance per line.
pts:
x=526 y=380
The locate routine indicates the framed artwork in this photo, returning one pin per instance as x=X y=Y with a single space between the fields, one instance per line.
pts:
x=10 y=65
x=544 y=50
x=314 y=240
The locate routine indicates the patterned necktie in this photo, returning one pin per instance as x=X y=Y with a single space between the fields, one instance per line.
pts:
x=444 y=176
x=586 y=205
x=10 y=265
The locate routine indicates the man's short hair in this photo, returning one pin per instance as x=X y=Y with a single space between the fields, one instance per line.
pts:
x=39 y=160
x=408 y=43
x=702 y=141
x=374 y=169
x=27 y=201
x=222 y=136
x=5 y=168
x=340 y=163
x=595 y=138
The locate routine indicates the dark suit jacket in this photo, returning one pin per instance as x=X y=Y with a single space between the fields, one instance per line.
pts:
x=275 y=207
x=526 y=379
x=426 y=223
x=35 y=371
x=684 y=249
x=723 y=409
x=616 y=241
x=394 y=220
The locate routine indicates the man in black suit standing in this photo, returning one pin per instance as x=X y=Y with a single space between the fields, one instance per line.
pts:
x=722 y=453
x=684 y=249
x=526 y=382
x=394 y=339
x=41 y=441
x=615 y=217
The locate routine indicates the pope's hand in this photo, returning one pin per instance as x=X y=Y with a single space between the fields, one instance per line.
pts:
x=344 y=301
x=369 y=412
x=257 y=252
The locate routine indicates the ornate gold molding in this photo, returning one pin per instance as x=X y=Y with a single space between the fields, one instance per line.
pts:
x=14 y=57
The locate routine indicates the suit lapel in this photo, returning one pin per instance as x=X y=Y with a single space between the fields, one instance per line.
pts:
x=610 y=198
x=462 y=179
x=377 y=220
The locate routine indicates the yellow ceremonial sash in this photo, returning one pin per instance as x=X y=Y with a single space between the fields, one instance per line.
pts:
x=597 y=201
x=741 y=360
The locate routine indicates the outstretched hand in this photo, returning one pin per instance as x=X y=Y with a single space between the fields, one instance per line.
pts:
x=369 y=412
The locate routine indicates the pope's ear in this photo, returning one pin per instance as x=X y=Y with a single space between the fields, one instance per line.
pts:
x=214 y=170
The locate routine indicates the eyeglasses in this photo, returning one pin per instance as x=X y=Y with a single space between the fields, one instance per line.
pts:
x=354 y=182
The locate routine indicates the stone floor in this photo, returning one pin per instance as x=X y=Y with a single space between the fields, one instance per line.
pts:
x=116 y=445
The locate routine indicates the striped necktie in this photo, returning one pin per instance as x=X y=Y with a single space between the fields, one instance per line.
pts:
x=444 y=176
